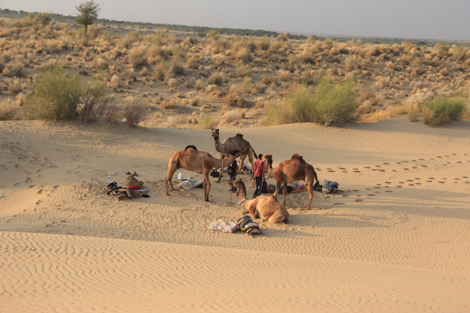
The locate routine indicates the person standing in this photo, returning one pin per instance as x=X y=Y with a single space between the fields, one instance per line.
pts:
x=232 y=171
x=258 y=174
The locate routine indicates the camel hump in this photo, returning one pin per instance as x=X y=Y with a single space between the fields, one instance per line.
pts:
x=298 y=157
x=239 y=135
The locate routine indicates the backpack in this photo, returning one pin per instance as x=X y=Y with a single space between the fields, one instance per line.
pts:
x=214 y=173
x=247 y=225
x=264 y=187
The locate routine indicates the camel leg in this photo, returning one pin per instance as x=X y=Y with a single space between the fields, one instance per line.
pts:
x=207 y=186
x=277 y=217
x=278 y=185
x=311 y=194
x=169 y=178
x=242 y=166
x=220 y=176
x=284 y=191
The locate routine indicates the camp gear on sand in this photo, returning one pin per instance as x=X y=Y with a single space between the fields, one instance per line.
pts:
x=329 y=186
x=247 y=225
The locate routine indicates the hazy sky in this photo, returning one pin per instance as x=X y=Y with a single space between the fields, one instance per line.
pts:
x=420 y=19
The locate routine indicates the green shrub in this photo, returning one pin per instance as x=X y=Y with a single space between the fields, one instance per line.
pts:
x=59 y=96
x=55 y=96
x=328 y=104
x=208 y=122
x=442 y=109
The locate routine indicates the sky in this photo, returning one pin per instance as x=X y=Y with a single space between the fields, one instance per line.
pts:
x=405 y=19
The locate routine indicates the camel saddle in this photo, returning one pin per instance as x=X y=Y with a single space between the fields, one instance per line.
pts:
x=132 y=181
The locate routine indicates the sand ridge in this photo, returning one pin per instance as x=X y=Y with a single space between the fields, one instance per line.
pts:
x=404 y=213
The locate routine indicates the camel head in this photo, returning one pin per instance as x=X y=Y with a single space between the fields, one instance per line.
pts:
x=215 y=133
x=268 y=158
x=240 y=186
x=237 y=152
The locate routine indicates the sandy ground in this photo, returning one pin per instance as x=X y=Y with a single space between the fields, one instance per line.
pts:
x=395 y=240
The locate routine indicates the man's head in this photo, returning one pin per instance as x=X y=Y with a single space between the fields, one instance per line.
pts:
x=260 y=156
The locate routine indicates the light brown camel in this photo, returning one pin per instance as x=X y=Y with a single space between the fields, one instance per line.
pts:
x=266 y=208
x=235 y=142
x=291 y=170
x=197 y=161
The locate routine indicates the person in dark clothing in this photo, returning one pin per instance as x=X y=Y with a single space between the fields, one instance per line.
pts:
x=258 y=174
x=232 y=171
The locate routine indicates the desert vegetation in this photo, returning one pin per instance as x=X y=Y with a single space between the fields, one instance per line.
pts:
x=54 y=71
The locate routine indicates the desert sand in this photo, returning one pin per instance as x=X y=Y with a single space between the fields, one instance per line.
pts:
x=396 y=239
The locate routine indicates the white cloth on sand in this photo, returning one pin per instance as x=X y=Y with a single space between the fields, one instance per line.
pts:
x=224 y=226
x=190 y=183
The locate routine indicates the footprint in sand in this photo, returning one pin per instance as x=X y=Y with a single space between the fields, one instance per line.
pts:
x=31 y=186
x=359 y=200
x=388 y=190
x=441 y=182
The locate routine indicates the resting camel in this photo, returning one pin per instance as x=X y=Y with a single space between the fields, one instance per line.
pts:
x=197 y=161
x=291 y=170
x=267 y=208
x=235 y=142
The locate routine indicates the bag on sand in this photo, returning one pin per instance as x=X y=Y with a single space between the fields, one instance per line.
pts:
x=253 y=182
x=330 y=186
x=247 y=225
x=264 y=187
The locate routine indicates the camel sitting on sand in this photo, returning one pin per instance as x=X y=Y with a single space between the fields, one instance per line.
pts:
x=197 y=161
x=235 y=142
x=291 y=170
x=264 y=207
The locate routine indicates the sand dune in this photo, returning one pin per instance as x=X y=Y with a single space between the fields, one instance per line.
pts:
x=396 y=239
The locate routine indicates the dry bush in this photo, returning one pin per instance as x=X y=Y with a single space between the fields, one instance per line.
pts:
x=8 y=112
x=382 y=82
x=129 y=75
x=20 y=99
x=112 y=113
x=215 y=79
x=114 y=83
x=15 y=86
x=135 y=111
x=232 y=116
x=284 y=75
x=172 y=83
x=194 y=102
x=14 y=70
x=352 y=63
x=199 y=84
x=87 y=109
x=192 y=63
x=168 y=105
x=137 y=57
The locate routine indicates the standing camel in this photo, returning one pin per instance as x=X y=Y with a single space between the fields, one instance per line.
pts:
x=291 y=170
x=264 y=207
x=235 y=142
x=197 y=161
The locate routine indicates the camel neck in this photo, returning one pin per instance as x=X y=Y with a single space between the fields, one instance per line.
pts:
x=217 y=143
x=270 y=170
